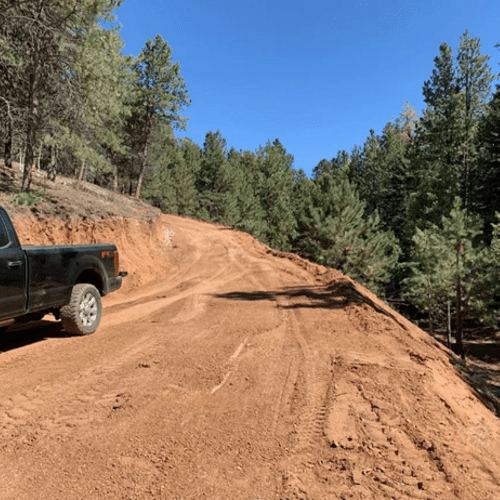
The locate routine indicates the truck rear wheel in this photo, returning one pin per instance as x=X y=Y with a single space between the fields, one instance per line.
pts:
x=83 y=313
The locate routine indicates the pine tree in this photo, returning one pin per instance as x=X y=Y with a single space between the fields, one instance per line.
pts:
x=186 y=177
x=367 y=173
x=38 y=41
x=165 y=156
x=104 y=75
x=250 y=215
x=450 y=262
x=486 y=195
x=323 y=167
x=474 y=82
x=436 y=158
x=381 y=173
x=210 y=181
x=160 y=95
x=276 y=194
x=214 y=158
x=334 y=231
x=432 y=281
x=387 y=168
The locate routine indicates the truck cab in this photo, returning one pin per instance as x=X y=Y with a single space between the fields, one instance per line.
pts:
x=12 y=271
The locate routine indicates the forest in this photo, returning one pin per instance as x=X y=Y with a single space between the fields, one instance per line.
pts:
x=412 y=213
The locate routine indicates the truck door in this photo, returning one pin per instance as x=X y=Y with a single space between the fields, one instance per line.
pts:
x=12 y=275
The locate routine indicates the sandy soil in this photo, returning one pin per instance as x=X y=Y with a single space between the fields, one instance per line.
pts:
x=225 y=370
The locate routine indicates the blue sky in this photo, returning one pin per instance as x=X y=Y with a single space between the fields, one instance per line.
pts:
x=317 y=75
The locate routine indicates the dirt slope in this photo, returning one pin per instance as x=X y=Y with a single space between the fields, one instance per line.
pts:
x=223 y=370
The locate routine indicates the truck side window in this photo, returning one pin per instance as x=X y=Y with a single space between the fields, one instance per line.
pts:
x=4 y=237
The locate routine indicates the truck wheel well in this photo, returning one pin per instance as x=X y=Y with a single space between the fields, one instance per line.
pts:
x=92 y=277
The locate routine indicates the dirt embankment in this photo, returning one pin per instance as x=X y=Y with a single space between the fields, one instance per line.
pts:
x=225 y=370
x=143 y=244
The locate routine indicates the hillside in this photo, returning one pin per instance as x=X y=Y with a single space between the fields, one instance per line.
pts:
x=225 y=370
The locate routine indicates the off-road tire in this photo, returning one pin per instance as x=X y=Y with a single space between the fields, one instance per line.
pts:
x=83 y=313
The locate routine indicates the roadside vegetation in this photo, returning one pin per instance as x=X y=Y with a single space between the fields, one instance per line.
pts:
x=411 y=213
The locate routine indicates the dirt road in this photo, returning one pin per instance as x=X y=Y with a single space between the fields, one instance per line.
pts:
x=224 y=371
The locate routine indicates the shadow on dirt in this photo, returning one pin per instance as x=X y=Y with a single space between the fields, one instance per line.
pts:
x=22 y=335
x=7 y=182
x=335 y=295
x=481 y=371
x=481 y=368
x=486 y=350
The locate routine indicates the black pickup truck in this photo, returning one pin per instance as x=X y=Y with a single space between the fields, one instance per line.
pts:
x=65 y=280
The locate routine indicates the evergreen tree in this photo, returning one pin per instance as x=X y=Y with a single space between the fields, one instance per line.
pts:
x=381 y=172
x=368 y=169
x=341 y=161
x=436 y=155
x=432 y=281
x=38 y=41
x=159 y=96
x=356 y=166
x=474 y=82
x=191 y=153
x=250 y=215
x=450 y=262
x=104 y=75
x=186 y=177
x=323 y=167
x=214 y=158
x=486 y=195
x=171 y=183
x=210 y=181
x=164 y=156
x=276 y=194
x=395 y=182
x=495 y=243
x=334 y=231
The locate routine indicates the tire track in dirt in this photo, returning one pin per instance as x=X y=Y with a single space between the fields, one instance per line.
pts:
x=80 y=398
x=316 y=381
x=304 y=393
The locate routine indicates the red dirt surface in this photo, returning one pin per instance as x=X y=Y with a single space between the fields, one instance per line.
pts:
x=225 y=370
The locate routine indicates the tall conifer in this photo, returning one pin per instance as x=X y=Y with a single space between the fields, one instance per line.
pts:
x=160 y=95
x=436 y=162
x=474 y=82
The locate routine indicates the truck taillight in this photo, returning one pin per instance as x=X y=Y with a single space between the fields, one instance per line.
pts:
x=116 y=261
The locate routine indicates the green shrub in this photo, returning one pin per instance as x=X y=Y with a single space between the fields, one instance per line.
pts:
x=30 y=198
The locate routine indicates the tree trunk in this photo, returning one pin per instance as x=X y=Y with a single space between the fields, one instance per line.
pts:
x=38 y=158
x=139 y=183
x=80 y=174
x=459 y=338
x=31 y=130
x=143 y=169
x=8 y=150
x=115 y=179
x=9 y=133
x=28 y=160
x=449 y=325
x=51 y=172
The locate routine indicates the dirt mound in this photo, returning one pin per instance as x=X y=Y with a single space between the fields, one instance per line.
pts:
x=225 y=370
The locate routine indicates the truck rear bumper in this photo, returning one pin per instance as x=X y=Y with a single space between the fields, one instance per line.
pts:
x=116 y=282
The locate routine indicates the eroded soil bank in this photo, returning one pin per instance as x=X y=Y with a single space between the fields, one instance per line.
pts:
x=224 y=370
